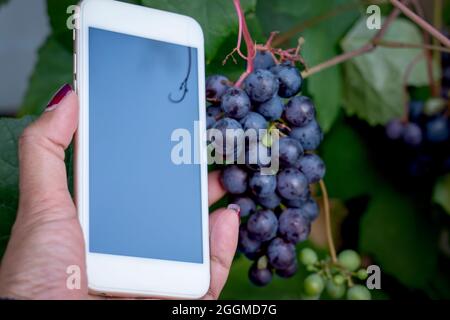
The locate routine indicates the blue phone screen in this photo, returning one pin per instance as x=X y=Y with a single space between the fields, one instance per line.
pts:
x=141 y=203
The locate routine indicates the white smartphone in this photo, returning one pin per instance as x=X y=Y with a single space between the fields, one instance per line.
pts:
x=140 y=77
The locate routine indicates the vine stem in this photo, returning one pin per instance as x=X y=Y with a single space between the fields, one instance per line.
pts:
x=368 y=47
x=326 y=207
x=428 y=54
x=421 y=23
x=243 y=31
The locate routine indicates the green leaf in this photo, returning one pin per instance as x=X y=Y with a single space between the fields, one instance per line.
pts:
x=321 y=44
x=53 y=69
x=10 y=130
x=441 y=194
x=218 y=18
x=2 y=2
x=374 y=81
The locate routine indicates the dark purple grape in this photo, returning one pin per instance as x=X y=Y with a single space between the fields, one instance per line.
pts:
x=446 y=77
x=420 y=166
x=281 y=253
x=312 y=167
x=213 y=111
x=257 y=155
x=272 y=109
x=210 y=122
x=262 y=185
x=290 y=151
x=216 y=85
x=290 y=79
x=300 y=111
x=254 y=121
x=235 y=103
x=263 y=60
x=292 y=184
x=294 y=226
x=310 y=136
x=262 y=225
x=247 y=245
x=437 y=129
x=261 y=85
x=246 y=204
x=412 y=134
x=259 y=277
x=230 y=131
x=270 y=202
x=297 y=203
x=289 y=271
x=415 y=110
x=310 y=209
x=234 y=179
x=395 y=129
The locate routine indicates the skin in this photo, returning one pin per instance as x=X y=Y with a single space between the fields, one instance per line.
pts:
x=47 y=237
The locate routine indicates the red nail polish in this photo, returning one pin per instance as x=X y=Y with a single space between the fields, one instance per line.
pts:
x=57 y=98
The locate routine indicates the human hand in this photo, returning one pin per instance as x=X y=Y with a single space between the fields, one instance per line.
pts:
x=46 y=238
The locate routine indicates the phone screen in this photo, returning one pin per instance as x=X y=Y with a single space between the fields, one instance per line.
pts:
x=142 y=204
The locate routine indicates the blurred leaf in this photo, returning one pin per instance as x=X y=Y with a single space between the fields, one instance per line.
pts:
x=350 y=171
x=2 y=2
x=321 y=43
x=10 y=130
x=441 y=194
x=53 y=69
x=393 y=230
x=374 y=81
x=399 y=237
x=218 y=18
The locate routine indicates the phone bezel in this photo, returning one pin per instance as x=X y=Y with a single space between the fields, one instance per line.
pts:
x=130 y=276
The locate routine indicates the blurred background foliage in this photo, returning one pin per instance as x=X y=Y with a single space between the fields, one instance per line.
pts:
x=395 y=223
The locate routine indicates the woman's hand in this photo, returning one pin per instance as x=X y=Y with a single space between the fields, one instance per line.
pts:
x=47 y=238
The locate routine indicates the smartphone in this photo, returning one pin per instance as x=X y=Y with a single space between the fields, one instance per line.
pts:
x=140 y=77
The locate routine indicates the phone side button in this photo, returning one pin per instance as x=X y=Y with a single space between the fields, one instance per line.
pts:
x=75 y=64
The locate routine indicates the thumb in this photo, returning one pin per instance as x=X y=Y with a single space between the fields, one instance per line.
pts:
x=42 y=148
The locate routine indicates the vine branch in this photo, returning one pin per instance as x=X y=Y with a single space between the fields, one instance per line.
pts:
x=369 y=47
x=326 y=207
x=421 y=23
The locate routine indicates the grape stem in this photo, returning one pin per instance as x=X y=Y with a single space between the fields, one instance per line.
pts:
x=243 y=32
x=326 y=207
x=428 y=54
x=437 y=20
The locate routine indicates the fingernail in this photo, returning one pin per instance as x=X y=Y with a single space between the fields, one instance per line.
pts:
x=58 y=97
x=235 y=208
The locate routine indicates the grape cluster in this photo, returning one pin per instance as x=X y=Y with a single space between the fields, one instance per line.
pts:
x=334 y=279
x=426 y=135
x=277 y=210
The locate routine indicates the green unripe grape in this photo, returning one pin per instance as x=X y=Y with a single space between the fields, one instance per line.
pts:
x=311 y=268
x=362 y=274
x=350 y=260
x=313 y=285
x=335 y=291
x=308 y=257
x=339 y=279
x=358 y=292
